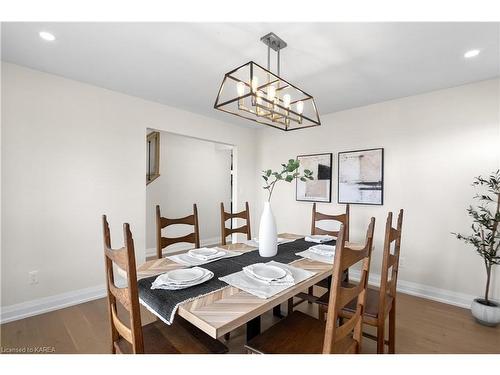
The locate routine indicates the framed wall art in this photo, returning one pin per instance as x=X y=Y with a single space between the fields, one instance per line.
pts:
x=319 y=189
x=361 y=177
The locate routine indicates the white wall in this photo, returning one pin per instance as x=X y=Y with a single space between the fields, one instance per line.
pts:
x=191 y=171
x=70 y=152
x=434 y=145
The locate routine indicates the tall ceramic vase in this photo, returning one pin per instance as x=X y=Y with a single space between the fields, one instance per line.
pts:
x=268 y=236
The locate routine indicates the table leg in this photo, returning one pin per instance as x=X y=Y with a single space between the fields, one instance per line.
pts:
x=345 y=275
x=253 y=328
x=277 y=311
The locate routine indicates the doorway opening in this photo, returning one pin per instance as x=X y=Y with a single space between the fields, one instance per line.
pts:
x=190 y=170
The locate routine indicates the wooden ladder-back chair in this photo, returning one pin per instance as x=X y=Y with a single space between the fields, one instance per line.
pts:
x=124 y=258
x=224 y=216
x=153 y=338
x=299 y=333
x=163 y=222
x=382 y=303
x=343 y=219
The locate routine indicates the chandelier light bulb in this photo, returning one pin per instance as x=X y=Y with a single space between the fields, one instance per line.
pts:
x=286 y=100
x=271 y=92
x=240 y=88
x=259 y=97
x=255 y=84
x=300 y=107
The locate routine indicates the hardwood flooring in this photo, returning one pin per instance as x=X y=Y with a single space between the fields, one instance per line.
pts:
x=423 y=326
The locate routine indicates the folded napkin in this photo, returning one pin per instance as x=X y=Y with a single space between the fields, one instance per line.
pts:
x=195 y=254
x=325 y=250
x=261 y=289
x=163 y=282
x=286 y=280
x=308 y=254
x=187 y=260
x=319 y=238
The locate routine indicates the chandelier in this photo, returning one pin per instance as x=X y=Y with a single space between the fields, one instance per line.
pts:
x=255 y=93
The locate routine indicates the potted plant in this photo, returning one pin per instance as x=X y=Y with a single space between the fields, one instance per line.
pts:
x=485 y=238
x=268 y=236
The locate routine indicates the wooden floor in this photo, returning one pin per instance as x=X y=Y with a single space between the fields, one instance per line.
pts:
x=423 y=326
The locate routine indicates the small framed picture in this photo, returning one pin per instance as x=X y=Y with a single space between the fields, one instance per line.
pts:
x=361 y=177
x=319 y=189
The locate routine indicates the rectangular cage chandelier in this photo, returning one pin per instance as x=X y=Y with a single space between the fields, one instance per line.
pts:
x=255 y=93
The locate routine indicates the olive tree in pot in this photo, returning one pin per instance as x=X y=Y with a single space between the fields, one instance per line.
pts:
x=485 y=238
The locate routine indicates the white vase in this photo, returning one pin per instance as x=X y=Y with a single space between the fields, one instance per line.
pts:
x=268 y=236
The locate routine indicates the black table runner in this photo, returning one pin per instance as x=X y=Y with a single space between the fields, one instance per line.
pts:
x=164 y=303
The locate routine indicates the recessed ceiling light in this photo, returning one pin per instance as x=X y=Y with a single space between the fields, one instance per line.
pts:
x=47 y=36
x=471 y=53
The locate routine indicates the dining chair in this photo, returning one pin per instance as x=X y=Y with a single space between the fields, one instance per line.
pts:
x=163 y=222
x=224 y=216
x=343 y=219
x=299 y=333
x=153 y=338
x=382 y=303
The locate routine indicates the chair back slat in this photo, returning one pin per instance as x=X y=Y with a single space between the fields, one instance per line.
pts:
x=118 y=256
x=339 y=295
x=347 y=327
x=224 y=216
x=122 y=329
x=128 y=296
x=348 y=294
x=343 y=219
x=187 y=220
x=167 y=241
x=163 y=222
x=390 y=261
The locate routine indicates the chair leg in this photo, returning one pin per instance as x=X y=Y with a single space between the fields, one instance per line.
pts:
x=310 y=291
x=380 y=338
x=290 y=306
x=392 y=328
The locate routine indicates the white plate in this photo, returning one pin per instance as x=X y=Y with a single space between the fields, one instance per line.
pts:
x=269 y=273
x=206 y=252
x=185 y=275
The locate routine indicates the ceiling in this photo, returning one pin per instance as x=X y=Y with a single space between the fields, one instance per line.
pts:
x=343 y=65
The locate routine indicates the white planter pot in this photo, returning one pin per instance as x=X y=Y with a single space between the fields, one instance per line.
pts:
x=486 y=315
x=268 y=236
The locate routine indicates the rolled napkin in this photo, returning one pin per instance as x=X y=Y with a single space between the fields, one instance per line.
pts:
x=324 y=250
x=285 y=280
x=319 y=238
x=205 y=253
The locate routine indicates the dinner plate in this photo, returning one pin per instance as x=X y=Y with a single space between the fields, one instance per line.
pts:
x=185 y=275
x=206 y=252
x=267 y=272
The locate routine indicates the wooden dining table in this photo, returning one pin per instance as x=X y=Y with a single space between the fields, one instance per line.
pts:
x=224 y=310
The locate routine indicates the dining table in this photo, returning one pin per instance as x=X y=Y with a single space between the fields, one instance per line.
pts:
x=221 y=311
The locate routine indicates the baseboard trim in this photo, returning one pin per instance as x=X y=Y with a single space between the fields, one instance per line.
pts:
x=47 y=304
x=151 y=252
x=420 y=290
